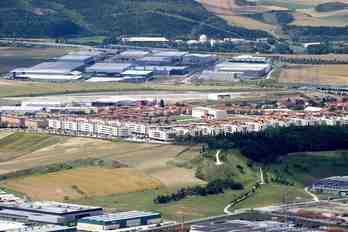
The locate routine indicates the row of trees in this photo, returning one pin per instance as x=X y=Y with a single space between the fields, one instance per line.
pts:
x=269 y=145
x=212 y=188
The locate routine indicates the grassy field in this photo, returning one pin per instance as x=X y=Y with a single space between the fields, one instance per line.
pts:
x=12 y=58
x=83 y=182
x=28 y=88
x=153 y=170
x=315 y=74
x=189 y=208
x=23 y=151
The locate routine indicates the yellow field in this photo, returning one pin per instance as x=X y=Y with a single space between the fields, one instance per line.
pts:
x=23 y=151
x=83 y=182
x=315 y=74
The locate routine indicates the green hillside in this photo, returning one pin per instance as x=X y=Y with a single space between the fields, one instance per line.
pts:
x=66 y=18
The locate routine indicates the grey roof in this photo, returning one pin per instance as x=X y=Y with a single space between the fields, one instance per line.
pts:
x=73 y=57
x=134 y=53
x=241 y=67
x=47 y=207
x=161 y=68
x=170 y=53
x=52 y=67
x=155 y=59
x=120 y=216
x=109 y=67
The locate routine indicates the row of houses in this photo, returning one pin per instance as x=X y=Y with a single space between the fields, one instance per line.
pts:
x=111 y=129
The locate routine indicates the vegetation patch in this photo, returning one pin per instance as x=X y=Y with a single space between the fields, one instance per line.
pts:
x=82 y=182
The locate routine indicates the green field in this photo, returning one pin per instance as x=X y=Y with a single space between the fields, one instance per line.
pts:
x=173 y=166
x=12 y=58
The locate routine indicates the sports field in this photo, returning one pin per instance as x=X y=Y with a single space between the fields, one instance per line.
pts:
x=83 y=182
x=315 y=74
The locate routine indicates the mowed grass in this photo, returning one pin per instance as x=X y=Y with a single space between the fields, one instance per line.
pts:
x=28 y=88
x=189 y=208
x=15 y=145
x=82 y=182
x=315 y=74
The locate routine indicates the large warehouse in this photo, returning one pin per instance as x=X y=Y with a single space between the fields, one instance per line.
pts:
x=118 y=221
x=334 y=185
x=51 y=71
x=107 y=69
x=82 y=58
x=48 y=212
x=247 y=70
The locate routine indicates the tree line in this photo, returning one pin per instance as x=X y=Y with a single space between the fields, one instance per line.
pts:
x=212 y=188
x=269 y=145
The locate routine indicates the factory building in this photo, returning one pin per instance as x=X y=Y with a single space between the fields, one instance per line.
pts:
x=138 y=73
x=50 y=71
x=108 y=69
x=118 y=221
x=79 y=58
x=154 y=61
x=208 y=113
x=9 y=226
x=246 y=70
x=337 y=185
x=215 y=76
x=145 y=40
x=165 y=70
x=248 y=67
x=199 y=59
x=175 y=57
x=130 y=55
x=48 y=212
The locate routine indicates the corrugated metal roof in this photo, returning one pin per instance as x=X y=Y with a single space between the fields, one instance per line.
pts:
x=120 y=216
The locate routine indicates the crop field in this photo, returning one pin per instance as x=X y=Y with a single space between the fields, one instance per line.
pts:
x=305 y=14
x=24 y=151
x=12 y=58
x=315 y=74
x=82 y=182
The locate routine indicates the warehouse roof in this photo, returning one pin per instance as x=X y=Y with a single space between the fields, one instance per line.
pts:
x=76 y=57
x=161 y=68
x=6 y=225
x=170 y=53
x=48 y=207
x=60 y=67
x=146 y=39
x=230 y=66
x=109 y=67
x=119 y=216
x=137 y=73
x=105 y=79
x=135 y=53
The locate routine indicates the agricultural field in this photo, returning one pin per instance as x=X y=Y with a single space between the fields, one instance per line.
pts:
x=12 y=58
x=303 y=11
x=315 y=74
x=83 y=182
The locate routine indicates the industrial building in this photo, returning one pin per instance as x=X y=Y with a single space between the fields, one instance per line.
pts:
x=9 y=226
x=337 y=185
x=165 y=70
x=138 y=73
x=214 y=76
x=48 y=212
x=51 y=71
x=108 y=69
x=80 y=58
x=175 y=57
x=246 y=70
x=113 y=222
x=208 y=113
x=154 y=61
x=199 y=59
x=130 y=55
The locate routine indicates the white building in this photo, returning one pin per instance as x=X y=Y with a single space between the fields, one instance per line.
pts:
x=162 y=134
x=208 y=113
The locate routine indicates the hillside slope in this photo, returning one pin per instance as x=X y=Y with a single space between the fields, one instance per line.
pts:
x=62 y=18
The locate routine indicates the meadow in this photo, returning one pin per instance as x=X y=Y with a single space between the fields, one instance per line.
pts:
x=315 y=74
